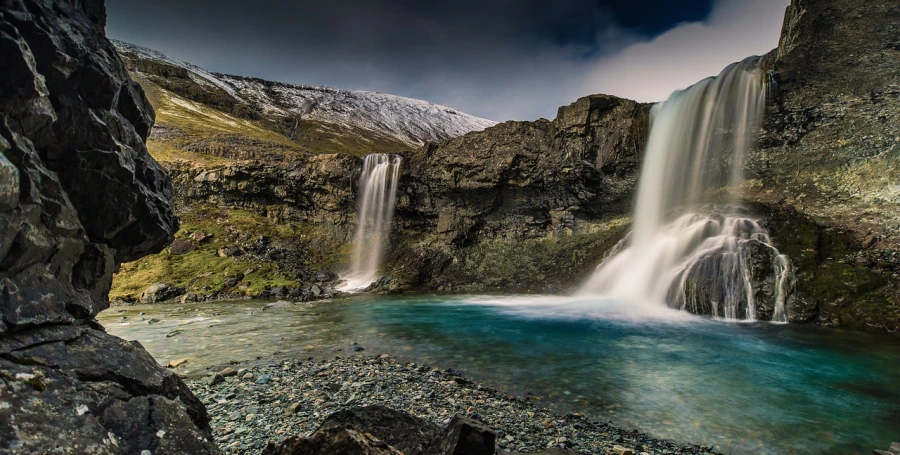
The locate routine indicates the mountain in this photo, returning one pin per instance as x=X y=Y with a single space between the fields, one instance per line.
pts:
x=285 y=117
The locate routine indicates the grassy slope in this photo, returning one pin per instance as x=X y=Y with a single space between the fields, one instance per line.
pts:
x=189 y=128
x=186 y=133
x=203 y=271
x=196 y=126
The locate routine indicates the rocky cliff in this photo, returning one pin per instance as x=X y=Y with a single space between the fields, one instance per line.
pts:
x=523 y=205
x=78 y=195
x=827 y=165
x=519 y=206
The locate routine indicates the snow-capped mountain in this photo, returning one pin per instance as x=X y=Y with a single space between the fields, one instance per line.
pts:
x=410 y=121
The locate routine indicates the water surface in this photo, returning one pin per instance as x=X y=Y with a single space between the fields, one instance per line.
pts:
x=742 y=387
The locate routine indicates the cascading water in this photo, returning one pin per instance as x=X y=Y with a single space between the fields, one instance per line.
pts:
x=682 y=250
x=378 y=192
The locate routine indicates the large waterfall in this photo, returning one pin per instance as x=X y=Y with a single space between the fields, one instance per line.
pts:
x=378 y=192
x=684 y=250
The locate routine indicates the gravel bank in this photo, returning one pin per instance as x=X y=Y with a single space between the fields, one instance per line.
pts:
x=252 y=405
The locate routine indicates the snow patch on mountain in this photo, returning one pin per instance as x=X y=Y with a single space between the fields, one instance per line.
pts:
x=408 y=120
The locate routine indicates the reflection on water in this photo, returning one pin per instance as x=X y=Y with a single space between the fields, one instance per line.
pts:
x=747 y=388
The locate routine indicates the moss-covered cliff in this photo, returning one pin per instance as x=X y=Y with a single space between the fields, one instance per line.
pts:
x=827 y=163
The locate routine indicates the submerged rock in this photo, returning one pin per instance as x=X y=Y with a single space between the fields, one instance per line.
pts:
x=176 y=363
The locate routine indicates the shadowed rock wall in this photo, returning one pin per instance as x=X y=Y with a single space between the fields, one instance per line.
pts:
x=78 y=195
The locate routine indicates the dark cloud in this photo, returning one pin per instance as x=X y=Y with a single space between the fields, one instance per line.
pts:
x=498 y=59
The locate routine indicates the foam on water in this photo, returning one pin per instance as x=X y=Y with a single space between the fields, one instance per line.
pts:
x=579 y=307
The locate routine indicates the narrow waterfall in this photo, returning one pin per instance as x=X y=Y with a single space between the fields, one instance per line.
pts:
x=683 y=250
x=377 y=196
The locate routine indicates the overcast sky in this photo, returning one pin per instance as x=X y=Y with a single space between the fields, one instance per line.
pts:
x=499 y=59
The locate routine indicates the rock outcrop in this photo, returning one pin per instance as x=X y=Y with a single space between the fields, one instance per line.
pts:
x=79 y=194
x=523 y=180
x=827 y=165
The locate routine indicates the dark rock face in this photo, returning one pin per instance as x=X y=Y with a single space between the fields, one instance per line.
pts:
x=828 y=156
x=521 y=180
x=78 y=195
x=316 y=188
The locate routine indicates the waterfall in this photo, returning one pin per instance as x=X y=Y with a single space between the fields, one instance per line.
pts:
x=684 y=251
x=378 y=192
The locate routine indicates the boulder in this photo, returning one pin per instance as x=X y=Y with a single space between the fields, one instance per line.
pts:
x=342 y=441
x=201 y=236
x=464 y=436
x=160 y=292
x=229 y=252
x=324 y=276
x=181 y=246
x=365 y=430
x=410 y=434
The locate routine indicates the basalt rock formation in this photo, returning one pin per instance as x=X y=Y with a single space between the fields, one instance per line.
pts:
x=78 y=195
x=827 y=167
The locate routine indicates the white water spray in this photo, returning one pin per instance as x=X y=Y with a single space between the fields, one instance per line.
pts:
x=682 y=251
x=378 y=193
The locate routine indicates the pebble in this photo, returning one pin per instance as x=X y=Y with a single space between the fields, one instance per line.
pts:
x=228 y=372
x=176 y=363
x=216 y=379
x=295 y=401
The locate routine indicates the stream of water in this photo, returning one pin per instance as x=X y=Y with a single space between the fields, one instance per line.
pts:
x=742 y=387
x=683 y=252
x=378 y=193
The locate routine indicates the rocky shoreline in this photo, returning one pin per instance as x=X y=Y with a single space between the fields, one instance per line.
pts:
x=251 y=405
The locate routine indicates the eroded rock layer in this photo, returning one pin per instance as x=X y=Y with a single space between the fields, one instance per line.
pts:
x=78 y=195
